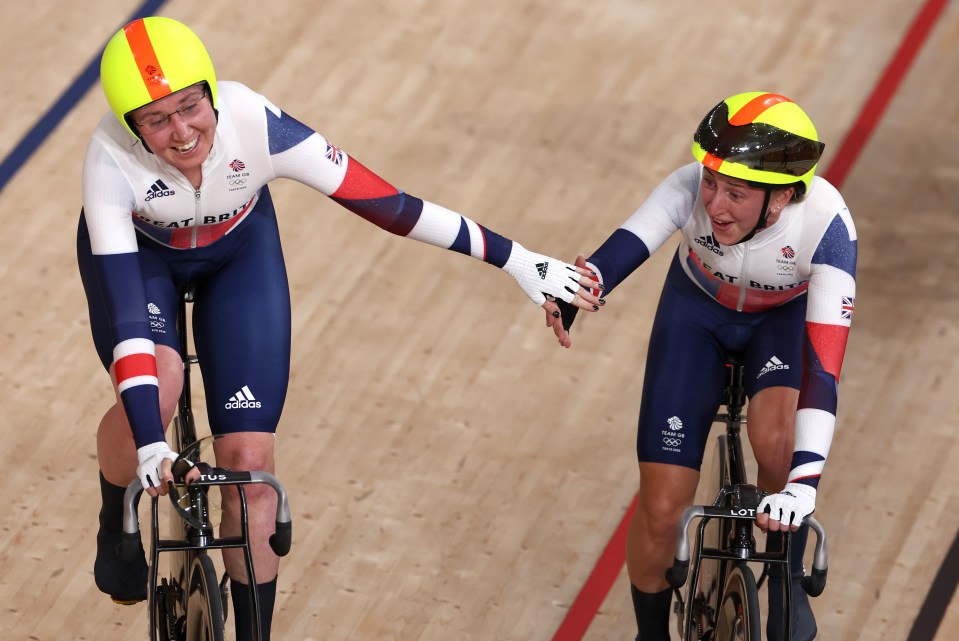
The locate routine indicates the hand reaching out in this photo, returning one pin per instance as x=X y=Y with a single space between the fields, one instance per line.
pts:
x=560 y=314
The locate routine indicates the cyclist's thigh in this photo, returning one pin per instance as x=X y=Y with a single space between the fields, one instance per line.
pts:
x=684 y=377
x=773 y=355
x=161 y=298
x=242 y=330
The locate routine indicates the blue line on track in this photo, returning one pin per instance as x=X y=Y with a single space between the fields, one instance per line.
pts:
x=73 y=94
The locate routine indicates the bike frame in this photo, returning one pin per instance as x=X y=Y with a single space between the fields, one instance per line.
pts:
x=196 y=535
x=735 y=511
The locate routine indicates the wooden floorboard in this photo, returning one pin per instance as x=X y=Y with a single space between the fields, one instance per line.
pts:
x=453 y=473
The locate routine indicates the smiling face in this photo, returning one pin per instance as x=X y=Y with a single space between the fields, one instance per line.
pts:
x=733 y=205
x=179 y=128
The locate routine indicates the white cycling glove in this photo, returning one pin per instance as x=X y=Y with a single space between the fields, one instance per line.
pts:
x=792 y=505
x=542 y=277
x=150 y=457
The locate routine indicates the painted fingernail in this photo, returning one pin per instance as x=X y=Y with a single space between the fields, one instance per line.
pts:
x=555 y=314
x=602 y=301
x=595 y=308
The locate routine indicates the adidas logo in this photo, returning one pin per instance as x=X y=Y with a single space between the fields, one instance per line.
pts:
x=710 y=243
x=242 y=400
x=542 y=268
x=157 y=190
x=772 y=365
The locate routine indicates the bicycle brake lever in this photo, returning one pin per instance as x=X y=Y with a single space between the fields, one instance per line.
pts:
x=181 y=467
x=202 y=467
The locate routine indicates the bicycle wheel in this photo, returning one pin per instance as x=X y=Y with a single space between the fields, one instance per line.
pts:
x=738 y=616
x=704 y=601
x=204 y=612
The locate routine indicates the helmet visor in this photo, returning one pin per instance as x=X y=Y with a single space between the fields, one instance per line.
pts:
x=757 y=145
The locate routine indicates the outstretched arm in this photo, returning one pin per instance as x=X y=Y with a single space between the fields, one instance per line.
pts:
x=609 y=265
x=666 y=210
x=542 y=278
x=301 y=154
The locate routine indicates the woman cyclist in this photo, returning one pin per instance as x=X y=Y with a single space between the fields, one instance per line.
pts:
x=175 y=191
x=765 y=269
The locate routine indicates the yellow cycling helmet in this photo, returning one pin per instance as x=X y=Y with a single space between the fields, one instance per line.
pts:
x=759 y=137
x=151 y=58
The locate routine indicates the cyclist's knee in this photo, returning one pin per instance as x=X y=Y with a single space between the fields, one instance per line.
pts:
x=662 y=501
x=245 y=451
x=170 y=375
x=660 y=520
x=666 y=488
x=773 y=451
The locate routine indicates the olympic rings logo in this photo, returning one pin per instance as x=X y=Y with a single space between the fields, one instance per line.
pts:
x=672 y=442
x=236 y=182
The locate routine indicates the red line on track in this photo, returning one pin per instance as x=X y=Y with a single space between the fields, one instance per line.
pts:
x=883 y=93
x=600 y=581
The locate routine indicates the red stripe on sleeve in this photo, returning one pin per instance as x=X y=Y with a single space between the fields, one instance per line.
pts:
x=146 y=60
x=362 y=184
x=135 y=365
x=483 y=237
x=829 y=344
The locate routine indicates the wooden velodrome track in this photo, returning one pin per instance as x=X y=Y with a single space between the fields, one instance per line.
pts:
x=453 y=473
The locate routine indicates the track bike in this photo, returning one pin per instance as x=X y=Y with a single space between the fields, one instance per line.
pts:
x=722 y=597
x=189 y=603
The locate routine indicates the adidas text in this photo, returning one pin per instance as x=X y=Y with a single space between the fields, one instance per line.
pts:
x=157 y=190
x=242 y=400
x=772 y=365
x=241 y=405
x=709 y=243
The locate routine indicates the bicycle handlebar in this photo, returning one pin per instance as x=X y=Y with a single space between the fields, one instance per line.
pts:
x=280 y=541
x=282 y=538
x=814 y=584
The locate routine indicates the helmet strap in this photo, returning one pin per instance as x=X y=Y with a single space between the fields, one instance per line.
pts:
x=763 y=216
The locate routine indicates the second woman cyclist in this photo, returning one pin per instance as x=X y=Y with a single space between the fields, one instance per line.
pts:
x=765 y=268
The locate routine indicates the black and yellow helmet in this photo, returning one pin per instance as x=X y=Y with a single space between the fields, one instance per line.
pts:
x=759 y=137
